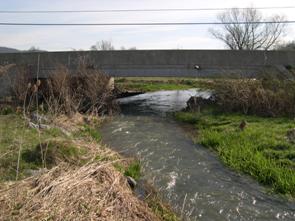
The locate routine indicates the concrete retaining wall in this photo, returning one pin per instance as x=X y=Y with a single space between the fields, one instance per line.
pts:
x=175 y=63
x=159 y=62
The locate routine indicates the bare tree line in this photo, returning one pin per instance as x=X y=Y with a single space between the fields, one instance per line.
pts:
x=107 y=45
x=244 y=29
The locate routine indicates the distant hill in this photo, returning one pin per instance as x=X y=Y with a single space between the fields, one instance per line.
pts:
x=8 y=50
x=13 y=50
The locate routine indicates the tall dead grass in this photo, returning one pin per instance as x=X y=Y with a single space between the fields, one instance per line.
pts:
x=66 y=91
x=92 y=192
x=266 y=97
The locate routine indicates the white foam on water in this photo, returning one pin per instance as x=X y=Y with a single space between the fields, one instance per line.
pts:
x=173 y=176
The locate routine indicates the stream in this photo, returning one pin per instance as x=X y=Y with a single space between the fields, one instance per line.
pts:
x=188 y=176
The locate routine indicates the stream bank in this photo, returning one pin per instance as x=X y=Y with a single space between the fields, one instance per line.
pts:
x=190 y=177
x=63 y=172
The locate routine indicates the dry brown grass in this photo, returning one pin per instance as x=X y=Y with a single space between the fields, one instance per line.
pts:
x=69 y=124
x=92 y=192
x=83 y=90
x=267 y=97
x=80 y=182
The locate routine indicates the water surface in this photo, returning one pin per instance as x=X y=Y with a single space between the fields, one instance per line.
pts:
x=189 y=176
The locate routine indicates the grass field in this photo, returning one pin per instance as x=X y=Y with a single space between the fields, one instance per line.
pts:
x=149 y=84
x=261 y=150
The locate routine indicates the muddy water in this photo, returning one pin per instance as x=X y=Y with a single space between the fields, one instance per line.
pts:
x=189 y=177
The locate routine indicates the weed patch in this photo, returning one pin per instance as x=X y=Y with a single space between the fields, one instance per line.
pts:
x=261 y=150
x=46 y=149
x=133 y=170
x=90 y=132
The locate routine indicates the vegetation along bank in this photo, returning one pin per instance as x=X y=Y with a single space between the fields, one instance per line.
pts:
x=53 y=165
x=250 y=124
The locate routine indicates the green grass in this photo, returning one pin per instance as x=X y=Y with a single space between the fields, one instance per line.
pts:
x=15 y=133
x=133 y=170
x=149 y=87
x=149 y=84
x=55 y=151
x=90 y=132
x=6 y=110
x=261 y=150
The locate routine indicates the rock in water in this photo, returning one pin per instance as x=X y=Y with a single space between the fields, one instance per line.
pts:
x=195 y=103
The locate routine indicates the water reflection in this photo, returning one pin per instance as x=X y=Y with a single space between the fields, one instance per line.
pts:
x=159 y=103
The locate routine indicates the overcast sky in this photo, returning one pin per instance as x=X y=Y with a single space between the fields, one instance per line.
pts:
x=147 y=37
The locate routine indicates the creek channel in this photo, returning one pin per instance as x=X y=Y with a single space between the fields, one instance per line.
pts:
x=188 y=176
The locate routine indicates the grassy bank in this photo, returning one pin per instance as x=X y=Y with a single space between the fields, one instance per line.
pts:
x=20 y=142
x=262 y=150
x=66 y=165
x=53 y=166
x=149 y=84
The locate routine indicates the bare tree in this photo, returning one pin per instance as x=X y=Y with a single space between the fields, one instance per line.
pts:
x=103 y=45
x=243 y=29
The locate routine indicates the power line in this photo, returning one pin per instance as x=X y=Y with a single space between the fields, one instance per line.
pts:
x=144 y=24
x=136 y=10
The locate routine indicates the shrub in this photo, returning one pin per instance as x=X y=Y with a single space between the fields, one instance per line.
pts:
x=261 y=97
x=66 y=91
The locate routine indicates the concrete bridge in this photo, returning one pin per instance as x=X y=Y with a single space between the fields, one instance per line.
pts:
x=162 y=63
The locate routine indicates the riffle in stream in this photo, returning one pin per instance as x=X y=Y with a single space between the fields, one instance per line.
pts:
x=188 y=176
